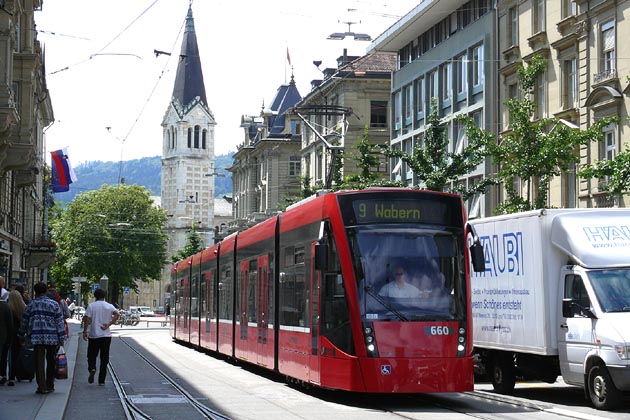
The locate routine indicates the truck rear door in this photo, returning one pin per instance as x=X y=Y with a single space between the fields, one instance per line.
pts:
x=575 y=333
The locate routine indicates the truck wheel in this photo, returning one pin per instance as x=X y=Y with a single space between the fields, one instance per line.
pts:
x=601 y=389
x=503 y=374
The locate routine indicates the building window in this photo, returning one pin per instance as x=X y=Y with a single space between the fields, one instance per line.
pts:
x=419 y=97
x=569 y=8
x=296 y=128
x=447 y=82
x=378 y=114
x=461 y=74
x=608 y=147
x=197 y=130
x=189 y=137
x=570 y=83
x=407 y=108
x=459 y=133
x=433 y=86
x=294 y=166
x=538 y=16
x=539 y=96
x=477 y=65
x=608 y=47
x=397 y=111
x=204 y=138
x=513 y=15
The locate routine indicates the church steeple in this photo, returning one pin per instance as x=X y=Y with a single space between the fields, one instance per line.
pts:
x=189 y=79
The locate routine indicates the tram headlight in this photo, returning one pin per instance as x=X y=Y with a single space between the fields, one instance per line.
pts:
x=371 y=348
x=461 y=339
x=369 y=339
x=368 y=330
x=461 y=348
x=462 y=330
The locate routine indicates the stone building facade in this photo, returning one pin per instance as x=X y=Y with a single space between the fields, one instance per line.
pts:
x=25 y=112
x=586 y=77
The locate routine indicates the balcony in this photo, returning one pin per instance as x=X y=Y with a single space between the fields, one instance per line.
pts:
x=604 y=76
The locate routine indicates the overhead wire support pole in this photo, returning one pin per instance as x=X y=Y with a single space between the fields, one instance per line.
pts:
x=327 y=110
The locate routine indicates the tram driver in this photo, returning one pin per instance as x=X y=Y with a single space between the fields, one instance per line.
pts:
x=401 y=287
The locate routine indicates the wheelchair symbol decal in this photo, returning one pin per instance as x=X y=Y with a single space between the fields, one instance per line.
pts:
x=386 y=369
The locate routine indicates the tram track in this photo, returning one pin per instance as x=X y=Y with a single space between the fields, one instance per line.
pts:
x=134 y=412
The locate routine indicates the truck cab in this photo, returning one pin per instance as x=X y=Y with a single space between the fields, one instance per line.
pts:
x=592 y=332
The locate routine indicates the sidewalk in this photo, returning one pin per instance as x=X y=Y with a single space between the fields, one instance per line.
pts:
x=20 y=402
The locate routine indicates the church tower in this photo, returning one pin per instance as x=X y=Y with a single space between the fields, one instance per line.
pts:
x=188 y=150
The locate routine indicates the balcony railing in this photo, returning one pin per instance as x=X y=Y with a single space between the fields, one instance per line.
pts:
x=604 y=75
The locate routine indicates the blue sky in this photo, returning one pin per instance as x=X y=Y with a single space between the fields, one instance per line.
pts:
x=102 y=72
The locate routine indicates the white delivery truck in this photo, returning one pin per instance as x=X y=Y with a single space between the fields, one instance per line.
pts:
x=555 y=300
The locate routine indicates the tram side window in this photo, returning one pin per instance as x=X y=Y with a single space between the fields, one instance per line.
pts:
x=225 y=293
x=194 y=298
x=294 y=291
x=335 y=316
x=251 y=291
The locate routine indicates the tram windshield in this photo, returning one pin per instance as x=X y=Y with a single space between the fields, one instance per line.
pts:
x=409 y=273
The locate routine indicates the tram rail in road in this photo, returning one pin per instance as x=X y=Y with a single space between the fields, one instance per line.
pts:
x=142 y=406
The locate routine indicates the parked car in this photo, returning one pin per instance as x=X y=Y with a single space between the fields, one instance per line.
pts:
x=141 y=310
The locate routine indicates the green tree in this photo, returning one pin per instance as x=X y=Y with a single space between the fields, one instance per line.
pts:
x=194 y=244
x=616 y=172
x=367 y=157
x=114 y=231
x=436 y=167
x=533 y=151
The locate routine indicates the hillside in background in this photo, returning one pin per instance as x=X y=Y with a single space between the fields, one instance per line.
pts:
x=146 y=172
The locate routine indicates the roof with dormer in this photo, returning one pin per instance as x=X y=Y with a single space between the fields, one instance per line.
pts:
x=286 y=97
x=189 y=78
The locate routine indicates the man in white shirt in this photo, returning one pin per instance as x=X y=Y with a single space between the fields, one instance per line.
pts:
x=99 y=316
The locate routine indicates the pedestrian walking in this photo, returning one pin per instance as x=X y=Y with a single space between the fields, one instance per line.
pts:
x=17 y=306
x=42 y=324
x=4 y=293
x=23 y=293
x=99 y=316
x=6 y=332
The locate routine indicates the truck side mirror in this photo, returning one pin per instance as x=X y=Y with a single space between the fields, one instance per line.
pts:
x=321 y=256
x=477 y=257
x=567 y=308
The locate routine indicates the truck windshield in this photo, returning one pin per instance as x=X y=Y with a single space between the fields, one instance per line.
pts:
x=612 y=288
x=409 y=273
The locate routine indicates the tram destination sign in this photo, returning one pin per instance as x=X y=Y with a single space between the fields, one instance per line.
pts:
x=388 y=209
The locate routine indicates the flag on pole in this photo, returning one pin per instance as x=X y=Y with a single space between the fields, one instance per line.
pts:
x=62 y=173
x=288 y=56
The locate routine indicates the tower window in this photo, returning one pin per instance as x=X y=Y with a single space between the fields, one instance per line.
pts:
x=197 y=130
x=189 y=138
x=204 y=135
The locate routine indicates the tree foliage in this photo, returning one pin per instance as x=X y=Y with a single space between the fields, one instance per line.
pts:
x=436 y=167
x=367 y=157
x=616 y=172
x=533 y=151
x=194 y=244
x=114 y=231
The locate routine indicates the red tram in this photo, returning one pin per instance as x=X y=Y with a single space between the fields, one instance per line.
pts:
x=364 y=291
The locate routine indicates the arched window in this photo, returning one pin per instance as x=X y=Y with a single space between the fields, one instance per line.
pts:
x=204 y=133
x=197 y=129
x=189 y=138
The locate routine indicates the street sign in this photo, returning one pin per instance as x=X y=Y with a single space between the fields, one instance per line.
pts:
x=126 y=290
x=94 y=287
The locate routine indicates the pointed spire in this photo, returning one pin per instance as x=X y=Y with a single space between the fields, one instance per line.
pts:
x=189 y=79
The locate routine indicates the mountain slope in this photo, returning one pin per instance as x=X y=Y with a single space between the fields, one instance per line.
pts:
x=146 y=172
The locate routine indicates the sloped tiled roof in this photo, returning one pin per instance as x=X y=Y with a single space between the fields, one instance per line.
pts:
x=286 y=97
x=375 y=62
x=189 y=78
